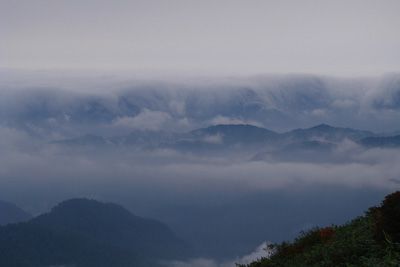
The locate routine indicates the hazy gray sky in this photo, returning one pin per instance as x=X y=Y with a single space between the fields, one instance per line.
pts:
x=331 y=37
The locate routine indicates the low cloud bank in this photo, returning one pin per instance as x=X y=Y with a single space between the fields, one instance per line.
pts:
x=28 y=161
x=262 y=251
x=275 y=102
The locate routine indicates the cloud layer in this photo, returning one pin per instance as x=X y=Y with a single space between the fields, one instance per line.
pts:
x=274 y=102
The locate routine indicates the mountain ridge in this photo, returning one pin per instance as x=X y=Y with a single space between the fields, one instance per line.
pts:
x=86 y=232
x=10 y=213
x=368 y=240
x=224 y=134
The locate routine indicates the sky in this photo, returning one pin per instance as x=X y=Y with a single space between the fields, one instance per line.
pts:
x=235 y=37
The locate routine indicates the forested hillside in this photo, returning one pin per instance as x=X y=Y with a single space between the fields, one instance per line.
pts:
x=369 y=240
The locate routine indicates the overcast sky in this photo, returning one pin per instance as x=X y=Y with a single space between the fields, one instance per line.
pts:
x=244 y=37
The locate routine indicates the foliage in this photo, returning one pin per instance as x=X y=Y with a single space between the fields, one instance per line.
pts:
x=369 y=240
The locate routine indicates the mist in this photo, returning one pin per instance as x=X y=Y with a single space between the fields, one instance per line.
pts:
x=135 y=142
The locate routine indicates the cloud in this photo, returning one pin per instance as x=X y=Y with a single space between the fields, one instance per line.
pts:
x=262 y=251
x=173 y=171
x=145 y=120
x=275 y=102
x=178 y=107
x=213 y=139
x=344 y=103
x=230 y=120
x=318 y=112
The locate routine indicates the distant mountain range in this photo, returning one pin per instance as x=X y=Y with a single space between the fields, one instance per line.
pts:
x=10 y=213
x=83 y=232
x=242 y=138
x=327 y=133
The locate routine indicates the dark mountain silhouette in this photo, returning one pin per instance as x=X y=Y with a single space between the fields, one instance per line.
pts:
x=82 y=232
x=9 y=213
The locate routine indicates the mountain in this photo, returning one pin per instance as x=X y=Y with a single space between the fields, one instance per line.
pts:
x=240 y=137
x=327 y=133
x=213 y=137
x=236 y=133
x=224 y=137
x=83 y=232
x=224 y=134
x=369 y=240
x=316 y=144
x=9 y=213
x=381 y=141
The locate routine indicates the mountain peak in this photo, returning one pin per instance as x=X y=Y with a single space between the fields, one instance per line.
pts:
x=244 y=125
x=89 y=209
x=323 y=126
x=237 y=133
x=74 y=202
x=86 y=232
x=234 y=127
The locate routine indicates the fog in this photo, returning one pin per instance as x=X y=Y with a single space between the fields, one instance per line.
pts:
x=223 y=199
x=260 y=252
